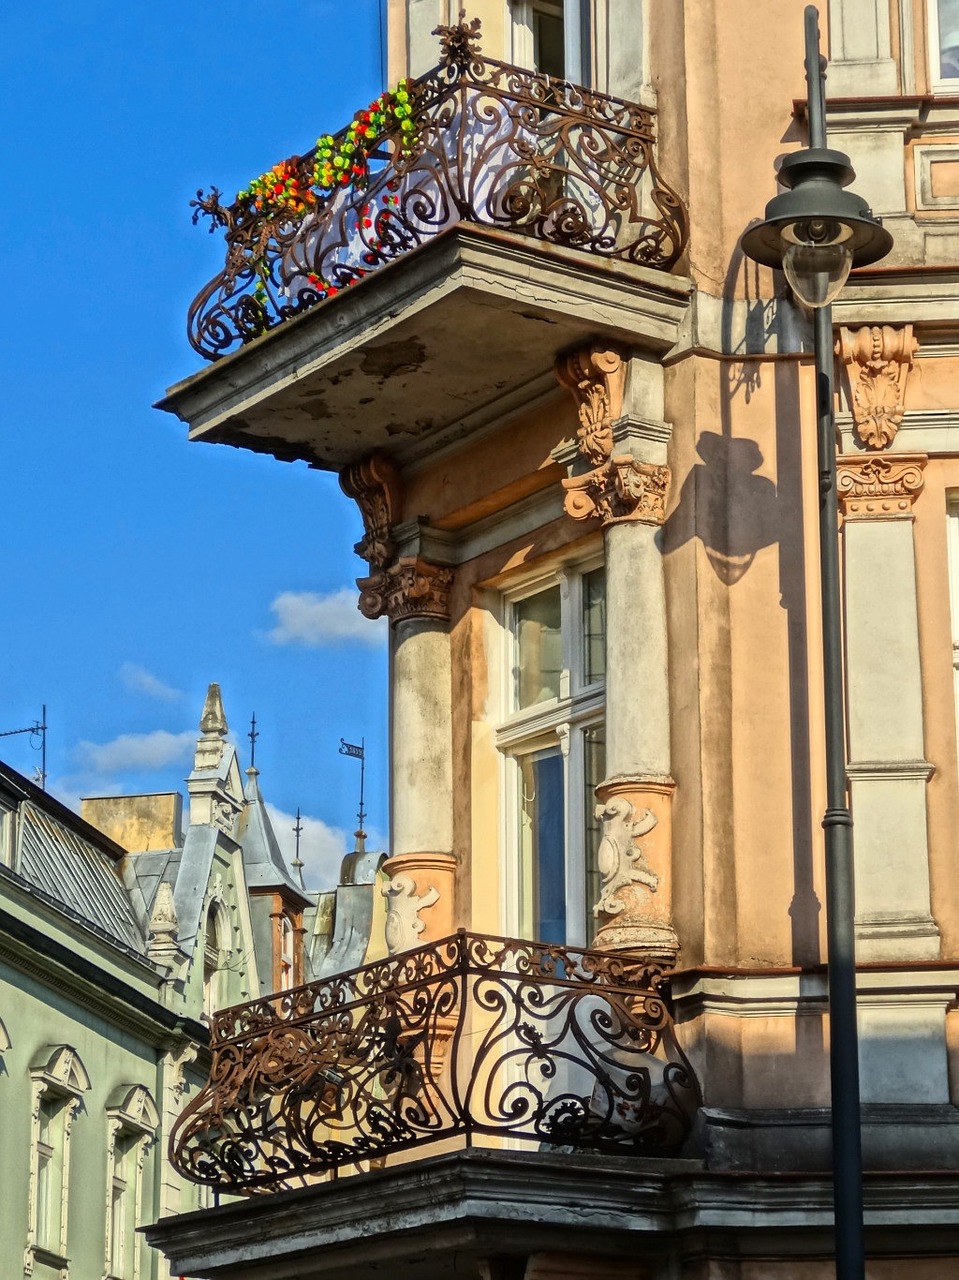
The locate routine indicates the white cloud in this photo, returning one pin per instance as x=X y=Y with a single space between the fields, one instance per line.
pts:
x=304 y=617
x=139 y=680
x=322 y=847
x=136 y=751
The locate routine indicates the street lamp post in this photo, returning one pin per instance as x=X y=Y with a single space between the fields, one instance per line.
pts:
x=816 y=231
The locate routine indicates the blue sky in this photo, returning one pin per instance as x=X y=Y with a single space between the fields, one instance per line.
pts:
x=138 y=567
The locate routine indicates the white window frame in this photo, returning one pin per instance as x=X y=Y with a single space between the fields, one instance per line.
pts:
x=132 y=1123
x=576 y=58
x=551 y=723
x=952 y=552
x=938 y=83
x=57 y=1077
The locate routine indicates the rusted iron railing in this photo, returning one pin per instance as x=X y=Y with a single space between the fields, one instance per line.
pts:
x=490 y=144
x=471 y=1039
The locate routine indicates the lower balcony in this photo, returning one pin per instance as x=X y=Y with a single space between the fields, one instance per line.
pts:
x=470 y=1041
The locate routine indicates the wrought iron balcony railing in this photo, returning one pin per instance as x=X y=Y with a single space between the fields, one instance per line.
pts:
x=480 y=141
x=470 y=1039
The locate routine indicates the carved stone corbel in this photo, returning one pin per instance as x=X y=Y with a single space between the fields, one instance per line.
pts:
x=881 y=487
x=410 y=588
x=374 y=485
x=596 y=377
x=622 y=490
x=879 y=359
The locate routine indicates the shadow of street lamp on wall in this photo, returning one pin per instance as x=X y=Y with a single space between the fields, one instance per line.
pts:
x=816 y=232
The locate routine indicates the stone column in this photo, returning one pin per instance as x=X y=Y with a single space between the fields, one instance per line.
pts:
x=626 y=490
x=887 y=769
x=414 y=594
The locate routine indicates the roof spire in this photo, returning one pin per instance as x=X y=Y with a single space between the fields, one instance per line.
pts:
x=213 y=721
x=252 y=735
x=297 y=860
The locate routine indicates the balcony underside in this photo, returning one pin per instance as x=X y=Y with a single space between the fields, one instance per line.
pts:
x=458 y=334
x=483 y=1213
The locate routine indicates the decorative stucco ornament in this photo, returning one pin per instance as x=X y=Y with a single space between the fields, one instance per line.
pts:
x=163 y=922
x=596 y=378
x=879 y=359
x=621 y=859
x=403 y=924
x=880 y=487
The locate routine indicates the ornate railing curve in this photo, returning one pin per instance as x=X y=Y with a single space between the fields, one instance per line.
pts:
x=464 y=1038
x=484 y=142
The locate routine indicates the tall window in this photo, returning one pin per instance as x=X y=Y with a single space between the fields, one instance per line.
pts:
x=287 y=937
x=952 y=536
x=133 y=1120
x=59 y=1082
x=943 y=17
x=553 y=740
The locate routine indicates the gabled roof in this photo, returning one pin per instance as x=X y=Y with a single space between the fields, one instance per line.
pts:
x=264 y=863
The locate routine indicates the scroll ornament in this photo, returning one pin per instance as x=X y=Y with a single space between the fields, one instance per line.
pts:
x=374 y=485
x=621 y=859
x=596 y=378
x=882 y=357
x=410 y=588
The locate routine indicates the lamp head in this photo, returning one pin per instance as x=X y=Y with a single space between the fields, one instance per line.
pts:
x=815 y=231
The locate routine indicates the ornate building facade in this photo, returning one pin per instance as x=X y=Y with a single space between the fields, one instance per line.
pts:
x=121 y=933
x=512 y=312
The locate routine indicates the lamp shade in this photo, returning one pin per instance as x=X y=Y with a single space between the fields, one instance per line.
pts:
x=815 y=230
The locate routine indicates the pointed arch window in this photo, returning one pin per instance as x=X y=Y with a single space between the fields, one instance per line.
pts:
x=59 y=1080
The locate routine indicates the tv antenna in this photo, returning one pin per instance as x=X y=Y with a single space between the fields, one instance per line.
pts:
x=38 y=740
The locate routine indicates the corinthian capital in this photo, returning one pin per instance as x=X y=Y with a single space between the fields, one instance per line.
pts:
x=596 y=377
x=879 y=358
x=621 y=490
x=410 y=588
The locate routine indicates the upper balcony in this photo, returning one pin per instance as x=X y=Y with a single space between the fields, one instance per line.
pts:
x=468 y=1041
x=469 y=224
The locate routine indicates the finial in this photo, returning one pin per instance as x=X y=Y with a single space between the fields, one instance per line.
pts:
x=459 y=43
x=213 y=721
x=297 y=861
x=253 y=735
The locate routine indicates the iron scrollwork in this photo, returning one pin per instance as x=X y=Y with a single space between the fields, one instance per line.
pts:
x=491 y=144
x=465 y=1037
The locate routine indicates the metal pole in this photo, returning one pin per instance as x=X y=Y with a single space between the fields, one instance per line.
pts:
x=837 y=822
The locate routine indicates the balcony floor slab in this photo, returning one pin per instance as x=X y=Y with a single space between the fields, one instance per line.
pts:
x=453 y=336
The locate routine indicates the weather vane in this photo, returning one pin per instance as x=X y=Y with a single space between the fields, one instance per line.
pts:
x=357 y=753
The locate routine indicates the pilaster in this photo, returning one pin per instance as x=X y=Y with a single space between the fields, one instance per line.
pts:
x=887 y=768
x=619 y=477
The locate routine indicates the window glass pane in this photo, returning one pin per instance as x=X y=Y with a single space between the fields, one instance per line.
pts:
x=594 y=626
x=949 y=39
x=549 y=51
x=539 y=648
x=543 y=845
x=594 y=770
